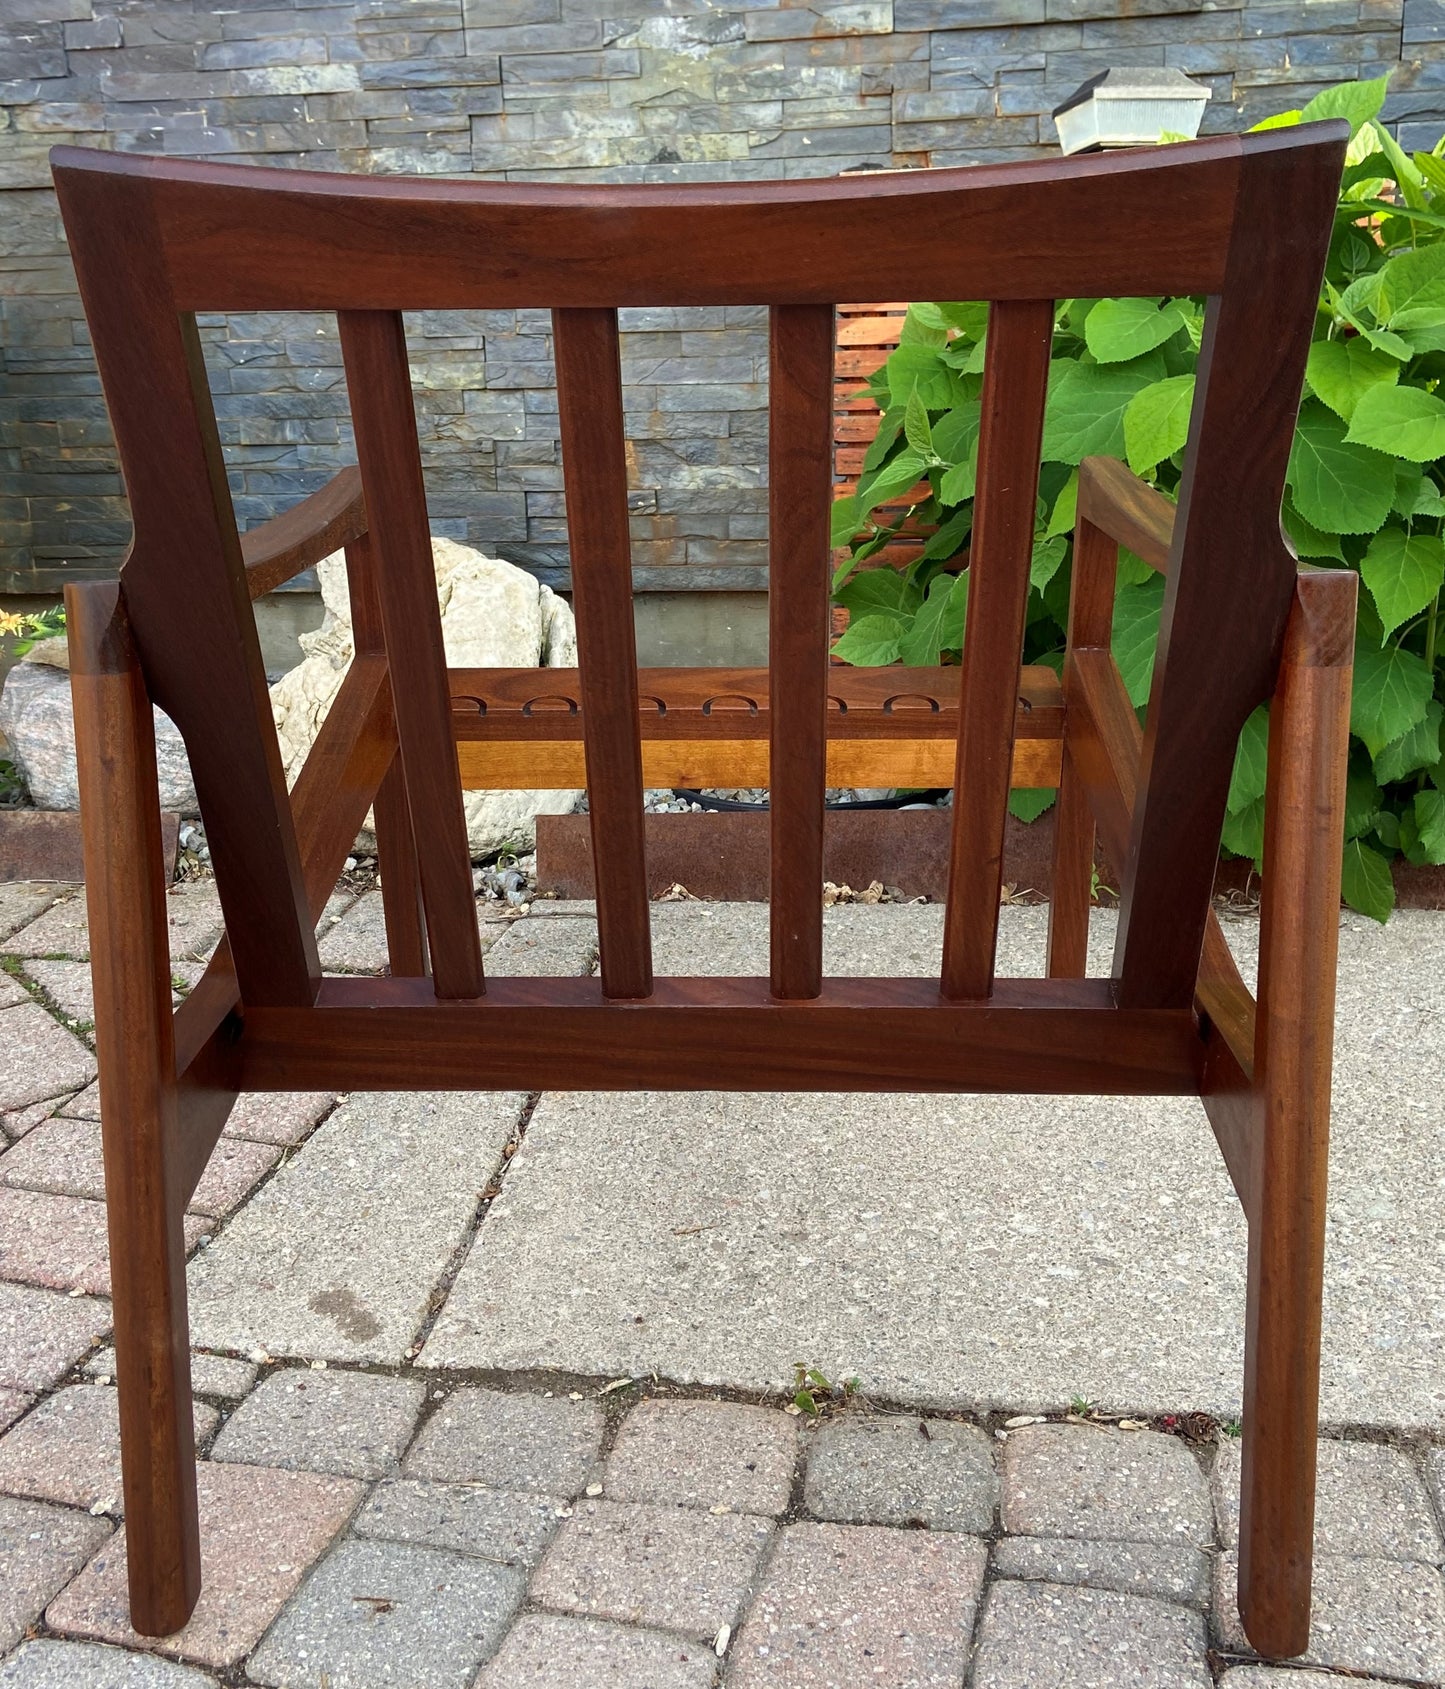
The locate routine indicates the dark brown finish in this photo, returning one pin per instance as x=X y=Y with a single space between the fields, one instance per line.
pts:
x=1015 y=383
x=45 y=844
x=299 y=538
x=131 y=972
x=861 y=1035
x=799 y=501
x=1244 y=219
x=1298 y=952
x=594 y=467
x=373 y=344
x=1231 y=575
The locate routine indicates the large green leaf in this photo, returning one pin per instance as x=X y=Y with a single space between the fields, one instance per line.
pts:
x=915 y=425
x=1136 y=633
x=1048 y=554
x=1066 y=508
x=956 y=433
x=938 y=626
x=882 y=589
x=1085 y=415
x=957 y=483
x=1119 y=329
x=1408 y=422
x=920 y=367
x=1403 y=572
x=1392 y=690
x=871 y=641
x=1342 y=371
x=1028 y=803
x=895 y=477
x=1244 y=831
x=1156 y=422
x=1362 y=803
x=947 y=540
x=1356 y=102
x=846 y=520
x=1430 y=824
x=1307 y=540
x=1411 y=290
x=890 y=426
x=1338 y=487
x=1366 y=881
x=1251 y=761
x=1412 y=752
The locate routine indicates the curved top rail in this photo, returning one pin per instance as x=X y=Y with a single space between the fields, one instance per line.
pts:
x=242 y=238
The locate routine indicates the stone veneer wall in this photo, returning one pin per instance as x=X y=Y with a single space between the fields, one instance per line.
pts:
x=575 y=90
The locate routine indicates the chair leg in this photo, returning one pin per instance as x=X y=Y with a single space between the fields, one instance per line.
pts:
x=400 y=883
x=1073 y=880
x=130 y=967
x=1299 y=943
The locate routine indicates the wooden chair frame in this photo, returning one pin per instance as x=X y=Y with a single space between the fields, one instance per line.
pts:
x=1243 y=220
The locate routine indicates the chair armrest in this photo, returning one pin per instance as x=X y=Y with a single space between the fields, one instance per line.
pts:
x=279 y=549
x=1127 y=509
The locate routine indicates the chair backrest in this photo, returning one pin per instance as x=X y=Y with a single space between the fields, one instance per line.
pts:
x=1243 y=220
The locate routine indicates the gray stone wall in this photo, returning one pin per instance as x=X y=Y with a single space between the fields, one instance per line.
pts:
x=576 y=90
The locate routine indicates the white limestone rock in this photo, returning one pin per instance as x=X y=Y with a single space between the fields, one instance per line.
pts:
x=494 y=615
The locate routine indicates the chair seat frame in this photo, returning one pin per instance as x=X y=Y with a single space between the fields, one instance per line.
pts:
x=404 y=734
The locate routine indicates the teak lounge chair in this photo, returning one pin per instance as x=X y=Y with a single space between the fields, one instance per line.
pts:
x=1243 y=220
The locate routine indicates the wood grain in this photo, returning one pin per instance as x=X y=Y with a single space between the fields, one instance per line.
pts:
x=594 y=469
x=800 y=390
x=1015 y=384
x=373 y=344
x=131 y=976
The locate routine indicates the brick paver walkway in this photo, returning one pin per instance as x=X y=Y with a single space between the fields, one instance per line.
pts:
x=372 y=1520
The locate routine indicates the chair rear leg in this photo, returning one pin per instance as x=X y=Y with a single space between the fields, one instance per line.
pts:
x=1299 y=944
x=130 y=966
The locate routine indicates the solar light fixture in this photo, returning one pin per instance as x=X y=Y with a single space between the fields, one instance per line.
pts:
x=1130 y=108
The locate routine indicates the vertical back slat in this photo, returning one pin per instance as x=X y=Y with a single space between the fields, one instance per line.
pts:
x=800 y=426
x=373 y=344
x=594 y=469
x=1015 y=385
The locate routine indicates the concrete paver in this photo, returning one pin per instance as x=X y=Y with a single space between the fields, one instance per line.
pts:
x=260 y=1530
x=546 y=1444
x=665 y=1568
x=370 y=1606
x=861 y=1604
x=1385 y=1617
x=547 y=1651
x=336 y=1257
x=68 y=1449
x=705 y=1454
x=504 y=1526
x=41 y=1548
x=39 y=1058
x=348 y=1422
x=43 y=1333
x=903 y=1470
x=1051 y=1636
x=1369 y=1499
x=1170 y=1571
x=1093 y=1481
x=48 y=1664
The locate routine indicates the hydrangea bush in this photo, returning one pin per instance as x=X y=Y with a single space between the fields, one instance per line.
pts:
x=1364 y=488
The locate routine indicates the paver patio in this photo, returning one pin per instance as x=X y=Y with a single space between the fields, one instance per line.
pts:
x=475 y=1418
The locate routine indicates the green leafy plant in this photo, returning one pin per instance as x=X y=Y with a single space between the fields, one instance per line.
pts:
x=813 y=1392
x=1364 y=488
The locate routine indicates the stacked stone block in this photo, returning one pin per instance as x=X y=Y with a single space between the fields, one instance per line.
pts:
x=555 y=90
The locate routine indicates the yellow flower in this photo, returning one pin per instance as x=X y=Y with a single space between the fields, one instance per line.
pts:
x=12 y=624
